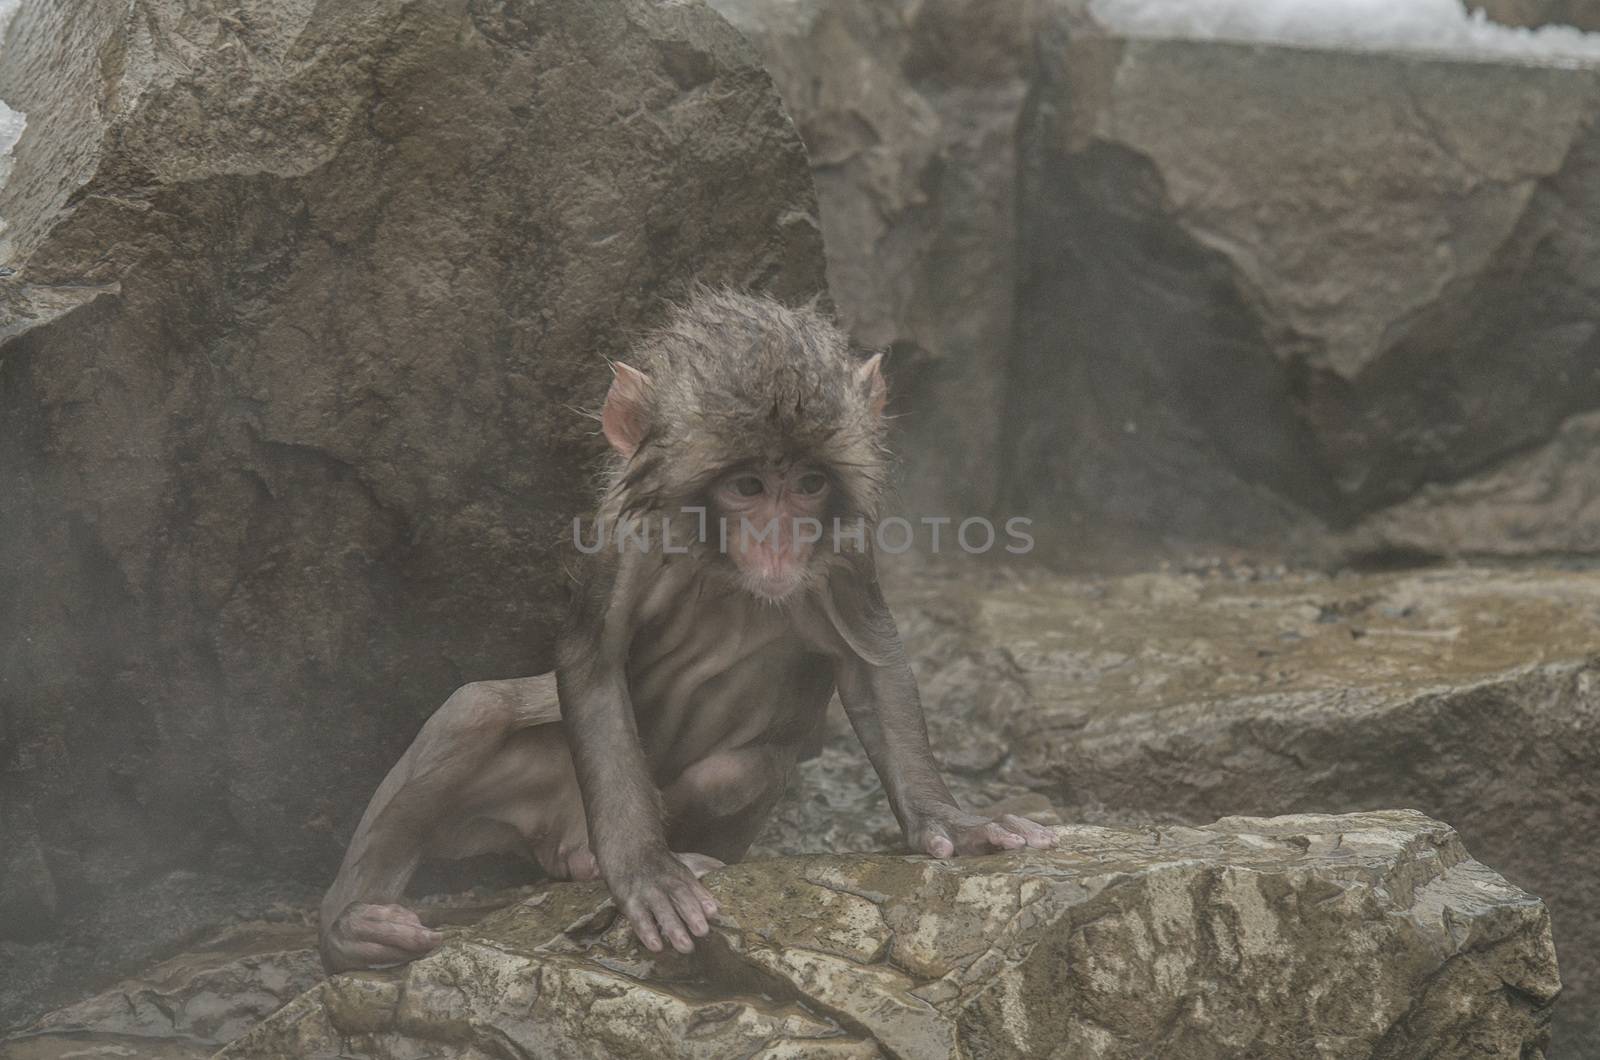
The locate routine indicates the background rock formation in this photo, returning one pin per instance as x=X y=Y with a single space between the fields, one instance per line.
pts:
x=306 y=299
x=1283 y=291
x=908 y=110
x=1471 y=695
x=1167 y=295
x=1371 y=935
x=1583 y=14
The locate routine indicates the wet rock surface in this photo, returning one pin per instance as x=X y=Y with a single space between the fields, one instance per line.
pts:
x=1162 y=701
x=188 y=1006
x=1371 y=935
x=300 y=303
x=222 y=985
x=1471 y=694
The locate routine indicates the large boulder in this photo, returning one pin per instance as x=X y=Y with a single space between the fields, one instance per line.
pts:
x=1270 y=293
x=1471 y=694
x=225 y=982
x=1365 y=936
x=1161 y=294
x=186 y=1007
x=299 y=306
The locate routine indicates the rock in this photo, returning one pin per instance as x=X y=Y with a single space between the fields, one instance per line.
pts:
x=1264 y=322
x=305 y=298
x=1371 y=935
x=909 y=110
x=1531 y=505
x=1471 y=694
x=1584 y=14
x=192 y=1004
x=1342 y=278
x=188 y=1006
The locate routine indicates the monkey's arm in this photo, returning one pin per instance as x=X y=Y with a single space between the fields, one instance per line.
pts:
x=652 y=887
x=880 y=696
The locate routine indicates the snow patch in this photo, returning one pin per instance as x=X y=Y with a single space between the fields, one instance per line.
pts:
x=11 y=121
x=1437 y=26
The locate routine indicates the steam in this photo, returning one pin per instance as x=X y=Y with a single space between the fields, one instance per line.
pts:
x=12 y=122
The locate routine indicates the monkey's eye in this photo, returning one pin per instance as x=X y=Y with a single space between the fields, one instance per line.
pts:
x=811 y=482
x=748 y=485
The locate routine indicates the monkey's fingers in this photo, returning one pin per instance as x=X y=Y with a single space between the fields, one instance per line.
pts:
x=661 y=911
x=700 y=864
x=372 y=936
x=934 y=840
x=644 y=924
x=691 y=901
x=410 y=938
x=996 y=836
x=1037 y=835
x=969 y=834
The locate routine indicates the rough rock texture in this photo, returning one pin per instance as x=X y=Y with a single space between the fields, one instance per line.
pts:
x=1522 y=506
x=185 y=1007
x=1160 y=294
x=1584 y=14
x=1471 y=694
x=305 y=298
x=189 y=1006
x=1270 y=291
x=1370 y=935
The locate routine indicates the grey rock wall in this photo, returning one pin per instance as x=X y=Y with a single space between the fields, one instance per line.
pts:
x=304 y=301
x=1173 y=295
x=1272 y=294
x=908 y=110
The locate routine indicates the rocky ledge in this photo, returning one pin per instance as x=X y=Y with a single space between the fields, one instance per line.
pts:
x=1367 y=935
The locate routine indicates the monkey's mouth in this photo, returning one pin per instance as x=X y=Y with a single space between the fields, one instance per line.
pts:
x=774 y=573
x=773 y=588
x=774 y=582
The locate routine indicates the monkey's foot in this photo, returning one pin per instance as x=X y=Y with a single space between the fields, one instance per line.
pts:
x=945 y=831
x=574 y=863
x=376 y=936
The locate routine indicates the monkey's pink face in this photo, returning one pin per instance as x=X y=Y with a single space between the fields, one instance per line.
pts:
x=774 y=521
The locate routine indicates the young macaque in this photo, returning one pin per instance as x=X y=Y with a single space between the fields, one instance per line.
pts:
x=733 y=590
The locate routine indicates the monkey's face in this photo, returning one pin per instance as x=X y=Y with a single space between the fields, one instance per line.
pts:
x=774 y=520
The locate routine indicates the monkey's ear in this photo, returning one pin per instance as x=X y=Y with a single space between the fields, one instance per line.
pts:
x=870 y=376
x=625 y=417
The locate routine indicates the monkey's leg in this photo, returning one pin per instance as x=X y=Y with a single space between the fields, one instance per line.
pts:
x=486 y=759
x=719 y=805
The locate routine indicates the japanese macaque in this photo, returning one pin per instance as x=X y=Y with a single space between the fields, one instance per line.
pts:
x=732 y=590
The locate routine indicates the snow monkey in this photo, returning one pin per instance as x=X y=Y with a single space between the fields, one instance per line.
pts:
x=734 y=591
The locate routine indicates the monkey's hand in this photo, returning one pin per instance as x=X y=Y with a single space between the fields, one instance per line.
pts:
x=661 y=895
x=372 y=936
x=943 y=830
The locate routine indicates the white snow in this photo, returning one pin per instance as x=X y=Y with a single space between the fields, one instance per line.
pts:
x=11 y=121
x=1440 y=26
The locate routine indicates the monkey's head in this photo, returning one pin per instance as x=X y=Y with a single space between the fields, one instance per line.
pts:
x=763 y=416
